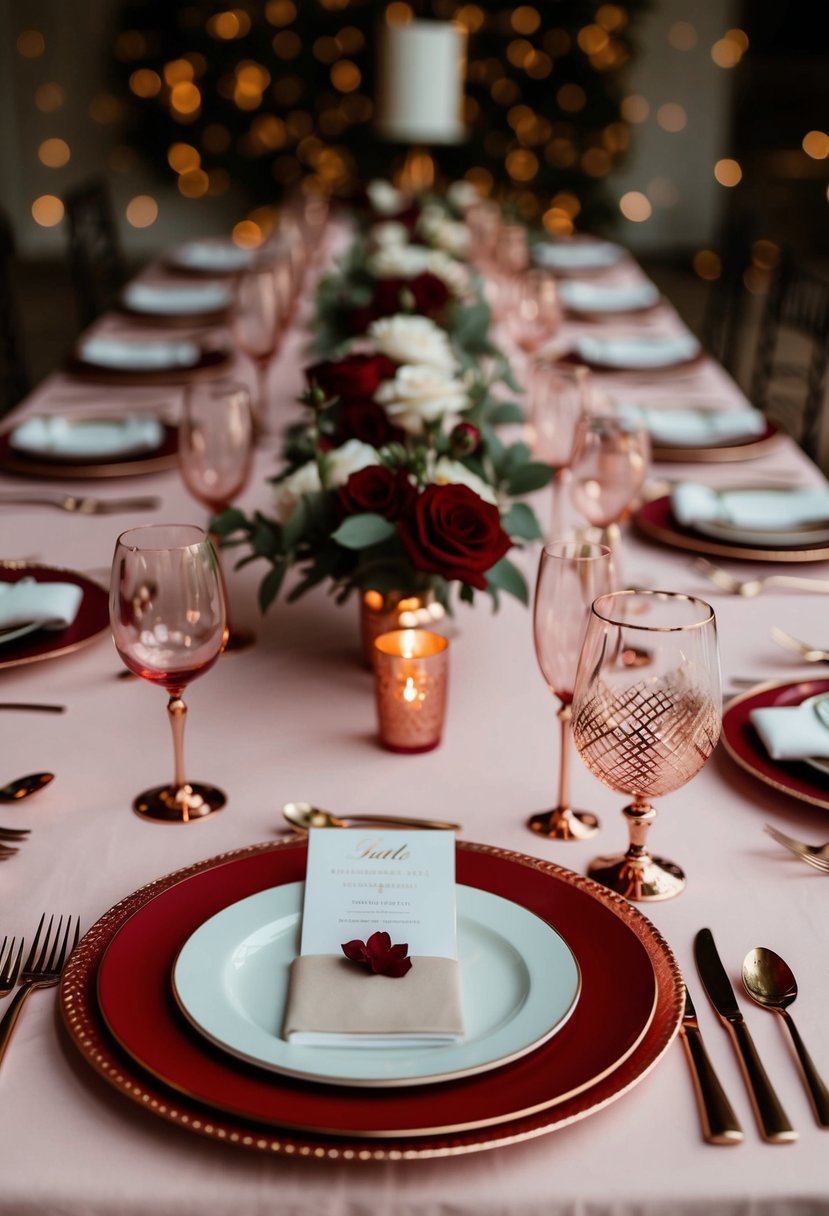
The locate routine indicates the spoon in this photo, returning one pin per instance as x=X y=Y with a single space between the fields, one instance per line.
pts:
x=304 y=816
x=769 y=981
x=24 y=786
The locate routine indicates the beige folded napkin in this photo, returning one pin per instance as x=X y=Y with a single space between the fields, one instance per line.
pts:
x=53 y=605
x=334 y=1003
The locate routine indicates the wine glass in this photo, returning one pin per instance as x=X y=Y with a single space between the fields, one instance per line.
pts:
x=571 y=574
x=535 y=314
x=609 y=466
x=645 y=735
x=260 y=311
x=560 y=396
x=167 y=611
x=215 y=453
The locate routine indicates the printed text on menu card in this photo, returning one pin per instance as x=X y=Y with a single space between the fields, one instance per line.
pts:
x=359 y=881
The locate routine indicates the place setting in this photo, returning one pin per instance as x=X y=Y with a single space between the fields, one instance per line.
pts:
x=107 y=357
x=701 y=433
x=81 y=445
x=177 y=302
x=46 y=612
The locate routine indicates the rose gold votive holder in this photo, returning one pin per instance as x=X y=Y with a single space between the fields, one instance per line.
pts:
x=411 y=668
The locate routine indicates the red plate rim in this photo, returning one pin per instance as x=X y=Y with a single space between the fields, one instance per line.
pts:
x=655 y=519
x=743 y=745
x=92 y=619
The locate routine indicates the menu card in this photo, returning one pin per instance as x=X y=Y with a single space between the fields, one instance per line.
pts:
x=360 y=882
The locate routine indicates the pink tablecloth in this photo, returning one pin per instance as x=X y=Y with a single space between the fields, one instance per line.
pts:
x=294 y=719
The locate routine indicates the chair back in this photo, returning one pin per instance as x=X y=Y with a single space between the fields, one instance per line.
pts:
x=14 y=379
x=95 y=260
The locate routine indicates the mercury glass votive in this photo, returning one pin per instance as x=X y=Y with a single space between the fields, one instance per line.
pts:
x=381 y=613
x=411 y=668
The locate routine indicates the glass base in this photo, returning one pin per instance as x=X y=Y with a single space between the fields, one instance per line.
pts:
x=239 y=638
x=564 y=824
x=642 y=879
x=171 y=804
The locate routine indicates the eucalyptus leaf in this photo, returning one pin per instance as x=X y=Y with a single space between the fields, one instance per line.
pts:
x=520 y=521
x=360 y=531
x=505 y=413
x=507 y=577
x=529 y=477
x=271 y=584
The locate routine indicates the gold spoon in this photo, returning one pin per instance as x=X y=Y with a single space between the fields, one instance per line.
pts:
x=24 y=786
x=304 y=816
x=770 y=982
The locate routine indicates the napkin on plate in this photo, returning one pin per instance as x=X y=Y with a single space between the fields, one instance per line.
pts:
x=219 y=256
x=174 y=299
x=762 y=510
x=52 y=435
x=53 y=605
x=602 y=297
x=638 y=351
x=793 y=732
x=150 y=355
x=689 y=427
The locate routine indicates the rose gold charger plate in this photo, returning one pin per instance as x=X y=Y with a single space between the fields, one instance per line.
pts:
x=212 y=361
x=91 y=622
x=130 y=464
x=746 y=449
x=744 y=746
x=655 y=519
x=117 y=1006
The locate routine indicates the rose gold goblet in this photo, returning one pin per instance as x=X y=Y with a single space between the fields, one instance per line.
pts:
x=610 y=463
x=215 y=452
x=646 y=734
x=167 y=612
x=571 y=575
x=560 y=396
x=259 y=315
x=535 y=313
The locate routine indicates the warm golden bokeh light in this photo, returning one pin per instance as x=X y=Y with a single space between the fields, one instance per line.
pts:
x=230 y=24
x=183 y=157
x=566 y=202
x=726 y=53
x=596 y=162
x=280 y=12
x=522 y=165
x=346 y=76
x=611 y=16
x=54 y=153
x=739 y=38
x=635 y=206
x=592 y=39
x=728 y=172
x=247 y=235
x=557 y=222
x=571 y=98
x=49 y=97
x=471 y=17
x=682 y=36
x=30 y=44
x=525 y=19
x=142 y=211
x=144 y=82
x=47 y=210
x=399 y=14
x=672 y=117
x=185 y=98
x=816 y=145
x=635 y=108
x=194 y=183
x=707 y=264
x=177 y=71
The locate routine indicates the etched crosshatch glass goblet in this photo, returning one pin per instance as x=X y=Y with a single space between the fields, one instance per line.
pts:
x=647 y=732
x=571 y=574
x=168 y=616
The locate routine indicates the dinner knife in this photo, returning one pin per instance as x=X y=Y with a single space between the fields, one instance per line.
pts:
x=771 y=1118
x=719 y=1123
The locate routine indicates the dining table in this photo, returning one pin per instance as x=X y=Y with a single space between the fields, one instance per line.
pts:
x=293 y=718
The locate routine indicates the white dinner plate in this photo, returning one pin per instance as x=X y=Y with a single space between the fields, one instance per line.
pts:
x=577 y=254
x=124 y=354
x=520 y=984
x=174 y=300
x=212 y=257
x=813 y=533
x=60 y=437
x=605 y=298
x=636 y=351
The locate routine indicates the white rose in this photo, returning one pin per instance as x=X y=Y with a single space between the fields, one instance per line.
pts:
x=419 y=395
x=413 y=339
x=453 y=272
x=462 y=194
x=442 y=232
x=398 y=261
x=385 y=198
x=389 y=234
x=287 y=493
x=350 y=458
x=452 y=473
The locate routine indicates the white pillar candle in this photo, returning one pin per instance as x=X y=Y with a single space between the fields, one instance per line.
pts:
x=420 y=75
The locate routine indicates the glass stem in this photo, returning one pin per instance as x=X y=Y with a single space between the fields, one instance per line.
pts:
x=612 y=537
x=177 y=713
x=564 y=714
x=260 y=413
x=640 y=815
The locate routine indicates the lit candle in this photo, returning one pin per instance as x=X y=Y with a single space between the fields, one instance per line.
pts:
x=410 y=670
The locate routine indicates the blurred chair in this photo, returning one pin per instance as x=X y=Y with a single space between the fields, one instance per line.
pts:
x=95 y=260
x=789 y=380
x=724 y=319
x=14 y=380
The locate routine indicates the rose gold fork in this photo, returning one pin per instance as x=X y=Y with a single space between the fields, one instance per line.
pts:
x=41 y=970
x=9 y=965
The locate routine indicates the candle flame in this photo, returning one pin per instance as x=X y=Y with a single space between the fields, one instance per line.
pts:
x=409 y=690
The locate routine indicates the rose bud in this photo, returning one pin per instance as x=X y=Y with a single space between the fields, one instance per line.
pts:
x=464 y=440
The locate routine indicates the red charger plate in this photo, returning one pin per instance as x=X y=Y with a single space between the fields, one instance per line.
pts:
x=743 y=744
x=30 y=465
x=655 y=519
x=92 y=618
x=201 y=1087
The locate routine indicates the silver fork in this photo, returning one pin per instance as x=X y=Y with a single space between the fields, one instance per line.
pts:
x=812 y=654
x=81 y=506
x=9 y=965
x=753 y=586
x=815 y=854
x=40 y=970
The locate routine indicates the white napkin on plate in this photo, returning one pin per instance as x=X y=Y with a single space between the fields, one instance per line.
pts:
x=150 y=355
x=582 y=253
x=602 y=297
x=792 y=732
x=638 y=351
x=52 y=435
x=54 y=605
x=173 y=299
x=760 y=510
x=214 y=255
x=689 y=427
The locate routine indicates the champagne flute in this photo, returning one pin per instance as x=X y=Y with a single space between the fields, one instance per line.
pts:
x=571 y=574
x=535 y=314
x=215 y=453
x=259 y=313
x=609 y=466
x=645 y=735
x=560 y=396
x=167 y=611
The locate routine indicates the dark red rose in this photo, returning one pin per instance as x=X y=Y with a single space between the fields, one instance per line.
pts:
x=454 y=533
x=359 y=319
x=355 y=376
x=409 y=216
x=464 y=440
x=386 y=298
x=379 y=490
x=366 y=421
x=379 y=955
x=430 y=294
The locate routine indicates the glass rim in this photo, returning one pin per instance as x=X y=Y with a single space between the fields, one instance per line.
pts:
x=709 y=619
x=601 y=550
x=223 y=383
x=137 y=548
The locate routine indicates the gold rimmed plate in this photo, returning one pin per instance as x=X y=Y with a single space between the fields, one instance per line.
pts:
x=656 y=520
x=58 y=467
x=734 y=450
